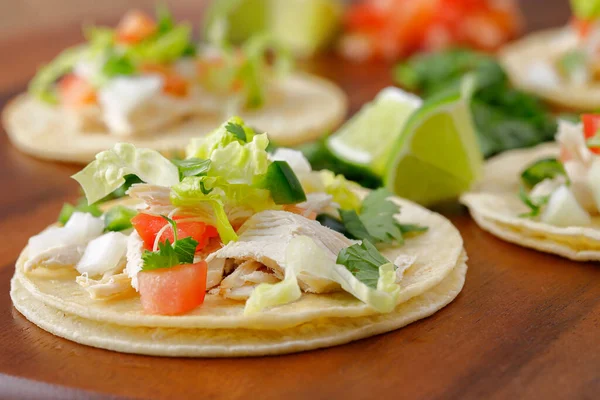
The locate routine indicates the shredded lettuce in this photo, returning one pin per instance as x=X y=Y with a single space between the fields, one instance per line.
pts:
x=304 y=255
x=194 y=190
x=203 y=147
x=241 y=163
x=342 y=190
x=42 y=85
x=107 y=172
x=237 y=166
x=163 y=48
x=268 y=295
x=255 y=70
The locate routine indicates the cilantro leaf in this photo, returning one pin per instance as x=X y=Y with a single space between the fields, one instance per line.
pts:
x=82 y=206
x=376 y=221
x=354 y=226
x=363 y=261
x=236 y=130
x=192 y=167
x=185 y=249
x=534 y=206
x=181 y=252
x=165 y=257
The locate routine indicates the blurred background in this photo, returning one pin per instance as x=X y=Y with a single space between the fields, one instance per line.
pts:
x=33 y=31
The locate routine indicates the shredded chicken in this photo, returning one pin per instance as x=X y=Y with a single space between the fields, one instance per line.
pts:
x=318 y=203
x=56 y=257
x=242 y=281
x=109 y=287
x=135 y=248
x=265 y=236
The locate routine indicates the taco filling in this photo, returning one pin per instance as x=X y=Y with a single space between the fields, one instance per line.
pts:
x=230 y=220
x=565 y=191
x=147 y=73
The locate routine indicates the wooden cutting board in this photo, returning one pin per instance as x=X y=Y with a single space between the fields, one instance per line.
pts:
x=526 y=325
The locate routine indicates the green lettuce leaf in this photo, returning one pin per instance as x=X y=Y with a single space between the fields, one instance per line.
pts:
x=237 y=166
x=268 y=295
x=107 y=172
x=194 y=190
x=42 y=84
x=163 y=48
x=255 y=70
x=225 y=134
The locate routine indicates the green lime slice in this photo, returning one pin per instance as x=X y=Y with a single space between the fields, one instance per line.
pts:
x=437 y=155
x=366 y=140
x=305 y=26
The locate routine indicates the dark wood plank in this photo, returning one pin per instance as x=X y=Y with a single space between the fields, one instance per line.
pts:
x=525 y=326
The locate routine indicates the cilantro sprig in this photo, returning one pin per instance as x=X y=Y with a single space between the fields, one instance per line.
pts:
x=237 y=130
x=169 y=255
x=376 y=222
x=363 y=261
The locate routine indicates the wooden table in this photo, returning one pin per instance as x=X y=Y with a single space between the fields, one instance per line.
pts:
x=525 y=326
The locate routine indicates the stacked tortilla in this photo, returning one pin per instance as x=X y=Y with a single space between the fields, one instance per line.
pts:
x=219 y=328
x=302 y=108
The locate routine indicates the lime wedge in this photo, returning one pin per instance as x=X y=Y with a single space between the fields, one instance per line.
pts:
x=437 y=155
x=366 y=140
x=305 y=26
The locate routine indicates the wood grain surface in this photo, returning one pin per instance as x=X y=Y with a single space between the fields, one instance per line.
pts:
x=526 y=325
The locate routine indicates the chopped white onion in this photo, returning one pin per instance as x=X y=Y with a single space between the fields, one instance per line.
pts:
x=294 y=158
x=80 y=229
x=103 y=254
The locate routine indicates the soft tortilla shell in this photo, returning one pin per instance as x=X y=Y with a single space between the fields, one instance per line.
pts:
x=495 y=206
x=177 y=342
x=306 y=108
x=548 y=46
x=437 y=252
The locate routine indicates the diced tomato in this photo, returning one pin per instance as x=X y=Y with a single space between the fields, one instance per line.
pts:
x=591 y=128
x=300 y=211
x=175 y=290
x=148 y=226
x=174 y=84
x=396 y=28
x=134 y=27
x=582 y=26
x=75 y=91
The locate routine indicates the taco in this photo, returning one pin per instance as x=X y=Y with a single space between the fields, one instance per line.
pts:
x=547 y=197
x=147 y=82
x=561 y=65
x=233 y=252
